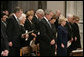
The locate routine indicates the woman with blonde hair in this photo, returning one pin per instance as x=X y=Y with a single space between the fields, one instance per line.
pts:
x=62 y=37
x=76 y=33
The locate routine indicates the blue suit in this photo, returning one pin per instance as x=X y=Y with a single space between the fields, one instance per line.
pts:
x=62 y=38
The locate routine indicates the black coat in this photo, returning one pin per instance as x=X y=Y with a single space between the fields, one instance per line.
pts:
x=13 y=33
x=69 y=29
x=62 y=38
x=36 y=21
x=54 y=31
x=56 y=23
x=46 y=49
x=22 y=40
x=30 y=26
x=76 y=33
x=4 y=38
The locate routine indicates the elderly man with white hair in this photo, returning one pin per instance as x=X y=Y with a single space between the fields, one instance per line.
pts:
x=36 y=19
x=69 y=27
x=58 y=13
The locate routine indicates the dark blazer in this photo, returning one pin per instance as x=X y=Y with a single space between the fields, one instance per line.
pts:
x=22 y=40
x=4 y=38
x=29 y=26
x=36 y=21
x=13 y=32
x=54 y=31
x=69 y=29
x=62 y=38
x=45 y=38
x=56 y=23
x=76 y=33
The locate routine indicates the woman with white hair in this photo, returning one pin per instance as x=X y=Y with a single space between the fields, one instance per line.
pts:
x=23 y=43
x=62 y=38
x=22 y=19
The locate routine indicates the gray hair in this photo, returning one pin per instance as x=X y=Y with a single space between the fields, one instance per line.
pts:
x=17 y=9
x=40 y=11
x=23 y=15
x=47 y=11
x=69 y=15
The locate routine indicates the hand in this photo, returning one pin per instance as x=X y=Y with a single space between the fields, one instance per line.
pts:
x=25 y=36
x=5 y=53
x=52 y=42
x=10 y=44
x=71 y=40
x=33 y=34
x=62 y=45
x=34 y=39
x=56 y=46
x=75 y=38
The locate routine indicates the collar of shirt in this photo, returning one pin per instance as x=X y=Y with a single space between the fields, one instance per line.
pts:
x=46 y=19
x=4 y=23
x=15 y=16
x=36 y=16
x=22 y=25
x=17 y=19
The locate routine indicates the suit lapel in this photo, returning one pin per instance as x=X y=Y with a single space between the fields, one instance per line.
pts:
x=47 y=25
x=16 y=22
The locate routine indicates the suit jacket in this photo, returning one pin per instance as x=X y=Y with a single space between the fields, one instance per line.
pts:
x=56 y=23
x=36 y=21
x=76 y=33
x=62 y=35
x=13 y=31
x=45 y=38
x=69 y=29
x=22 y=40
x=28 y=26
x=62 y=38
x=4 y=38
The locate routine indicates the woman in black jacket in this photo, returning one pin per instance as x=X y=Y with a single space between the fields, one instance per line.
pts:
x=76 y=33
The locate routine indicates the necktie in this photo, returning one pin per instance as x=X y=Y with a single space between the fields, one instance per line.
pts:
x=4 y=24
x=18 y=21
x=49 y=24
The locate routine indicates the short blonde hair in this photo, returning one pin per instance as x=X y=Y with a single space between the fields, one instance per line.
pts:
x=30 y=13
x=61 y=19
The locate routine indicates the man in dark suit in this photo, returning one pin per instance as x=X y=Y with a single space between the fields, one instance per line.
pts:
x=4 y=38
x=36 y=19
x=70 y=32
x=13 y=32
x=47 y=40
x=58 y=13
